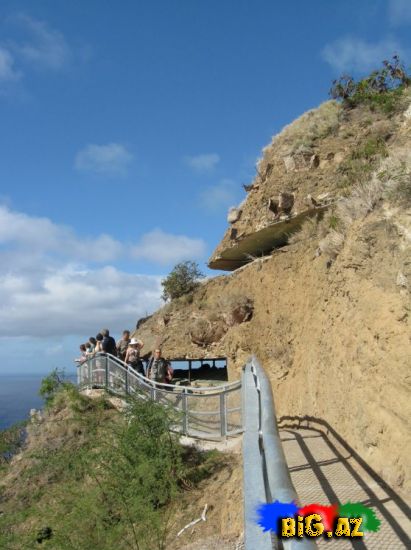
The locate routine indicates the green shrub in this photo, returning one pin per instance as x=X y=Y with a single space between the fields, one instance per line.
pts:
x=182 y=280
x=371 y=148
x=381 y=90
x=52 y=385
x=100 y=481
x=353 y=171
x=200 y=466
x=386 y=102
x=333 y=221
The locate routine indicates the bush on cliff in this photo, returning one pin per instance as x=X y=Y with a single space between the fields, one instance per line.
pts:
x=380 y=90
x=182 y=280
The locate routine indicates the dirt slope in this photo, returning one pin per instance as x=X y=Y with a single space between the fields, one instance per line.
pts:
x=331 y=310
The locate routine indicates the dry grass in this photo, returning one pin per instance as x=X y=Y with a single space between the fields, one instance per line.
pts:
x=300 y=135
x=362 y=200
x=391 y=181
x=308 y=230
x=332 y=244
x=395 y=175
x=312 y=125
x=382 y=129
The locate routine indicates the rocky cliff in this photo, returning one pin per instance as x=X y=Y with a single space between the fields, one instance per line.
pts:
x=324 y=298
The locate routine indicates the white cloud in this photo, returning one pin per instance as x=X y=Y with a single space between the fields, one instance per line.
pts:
x=44 y=47
x=165 y=248
x=218 y=197
x=203 y=163
x=50 y=288
x=111 y=159
x=7 y=70
x=41 y=235
x=68 y=300
x=399 y=12
x=357 y=55
x=31 y=236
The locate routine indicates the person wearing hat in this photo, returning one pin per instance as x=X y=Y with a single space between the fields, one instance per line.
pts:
x=133 y=355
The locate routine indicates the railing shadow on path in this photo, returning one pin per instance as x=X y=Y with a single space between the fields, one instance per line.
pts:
x=304 y=429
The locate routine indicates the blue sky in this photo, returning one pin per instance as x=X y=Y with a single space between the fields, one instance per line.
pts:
x=126 y=131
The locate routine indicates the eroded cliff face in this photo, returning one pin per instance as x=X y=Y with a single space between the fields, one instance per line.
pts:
x=331 y=326
x=308 y=166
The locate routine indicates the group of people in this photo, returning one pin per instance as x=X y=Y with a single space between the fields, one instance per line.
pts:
x=128 y=350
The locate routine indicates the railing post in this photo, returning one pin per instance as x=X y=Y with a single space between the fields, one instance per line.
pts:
x=223 y=414
x=126 y=388
x=185 y=412
x=106 y=373
x=90 y=372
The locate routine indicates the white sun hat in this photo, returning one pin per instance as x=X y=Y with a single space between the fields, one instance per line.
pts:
x=135 y=341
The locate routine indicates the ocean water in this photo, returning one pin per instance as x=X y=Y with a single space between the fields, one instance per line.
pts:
x=19 y=394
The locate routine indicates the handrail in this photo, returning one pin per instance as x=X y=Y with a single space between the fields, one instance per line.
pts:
x=202 y=412
x=215 y=389
x=270 y=481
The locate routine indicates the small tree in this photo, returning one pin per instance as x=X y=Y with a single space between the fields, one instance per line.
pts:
x=183 y=279
x=52 y=385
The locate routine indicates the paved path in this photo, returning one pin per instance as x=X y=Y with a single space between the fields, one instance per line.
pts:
x=324 y=469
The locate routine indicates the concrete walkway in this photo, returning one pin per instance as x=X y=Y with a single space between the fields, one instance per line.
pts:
x=325 y=470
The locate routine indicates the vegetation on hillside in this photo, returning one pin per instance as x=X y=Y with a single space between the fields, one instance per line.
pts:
x=95 y=478
x=370 y=174
x=368 y=184
x=381 y=89
x=182 y=280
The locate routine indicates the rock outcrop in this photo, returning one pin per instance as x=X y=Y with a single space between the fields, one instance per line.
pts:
x=312 y=157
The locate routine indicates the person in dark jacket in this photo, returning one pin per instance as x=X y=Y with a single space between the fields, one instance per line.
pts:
x=108 y=343
x=157 y=367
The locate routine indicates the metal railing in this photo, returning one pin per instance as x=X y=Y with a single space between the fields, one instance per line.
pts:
x=266 y=475
x=201 y=412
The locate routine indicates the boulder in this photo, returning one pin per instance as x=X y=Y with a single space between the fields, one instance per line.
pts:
x=233 y=215
x=285 y=202
x=237 y=309
x=314 y=162
x=205 y=332
x=289 y=163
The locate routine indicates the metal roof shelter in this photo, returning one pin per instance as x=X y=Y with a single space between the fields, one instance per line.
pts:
x=202 y=360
